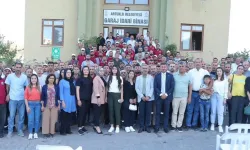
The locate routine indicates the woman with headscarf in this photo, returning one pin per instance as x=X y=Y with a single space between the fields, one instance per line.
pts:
x=68 y=100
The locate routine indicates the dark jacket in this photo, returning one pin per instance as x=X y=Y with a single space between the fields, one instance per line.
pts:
x=44 y=96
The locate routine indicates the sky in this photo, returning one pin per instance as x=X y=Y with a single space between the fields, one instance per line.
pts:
x=12 y=15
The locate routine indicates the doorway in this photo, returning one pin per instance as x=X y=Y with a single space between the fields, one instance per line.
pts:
x=123 y=30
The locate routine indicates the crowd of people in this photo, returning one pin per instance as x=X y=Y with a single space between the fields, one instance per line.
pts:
x=123 y=81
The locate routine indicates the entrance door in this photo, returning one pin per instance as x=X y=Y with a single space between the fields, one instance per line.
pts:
x=123 y=30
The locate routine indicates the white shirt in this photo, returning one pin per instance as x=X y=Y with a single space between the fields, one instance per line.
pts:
x=197 y=77
x=114 y=85
x=42 y=80
x=221 y=87
x=147 y=39
x=163 y=83
x=132 y=42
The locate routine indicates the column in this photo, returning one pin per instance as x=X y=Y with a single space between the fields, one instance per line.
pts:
x=162 y=23
x=89 y=18
x=82 y=17
x=170 y=19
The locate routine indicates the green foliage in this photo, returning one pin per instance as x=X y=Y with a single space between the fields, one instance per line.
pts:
x=244 y=54
x=7 y=51
x=89 y=40
x=170 y=47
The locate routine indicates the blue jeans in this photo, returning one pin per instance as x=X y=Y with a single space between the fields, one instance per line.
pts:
x=16 y=105
x=34 y=116
x=204 y=113
x=193 y=110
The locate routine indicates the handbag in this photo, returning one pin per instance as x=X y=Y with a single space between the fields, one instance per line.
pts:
x=132 y=107
x=247 y=110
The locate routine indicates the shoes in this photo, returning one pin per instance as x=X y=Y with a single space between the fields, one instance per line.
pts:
x=111 y=129
x=80 y=132
x=187 y=128
x=156 y=130
x=20 y=133
x=30 y=136
x=132 y=129
x=140 y=130
x=195 y=128
x=166 y=130
x=202 y=130
x=127 y=129
x=212 y=127
x=51 y=135
x=84 y=129
x=63 y=133
x=97 y=131
x=1 y=135
x=35 y=136
x=9 y=135
x=172 y=128
x=117 y=130
x=220 y=129
x=205 y=130
x=69 y=132
x=179 y=129
x=148 y=130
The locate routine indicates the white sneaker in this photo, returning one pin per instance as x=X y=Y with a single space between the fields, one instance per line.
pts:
x=127 y=129
x=132 y=129
x=220 y=129
x=30 y=136
x=212 y=127
x=117 y=130
x=35 y=136
x=111 y=129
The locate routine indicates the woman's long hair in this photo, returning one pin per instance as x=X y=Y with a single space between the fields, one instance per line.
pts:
x=37 y=83
x=117 y=77
x=222 y=76
x=47 y=79
x=133 y=77
x=82 y=74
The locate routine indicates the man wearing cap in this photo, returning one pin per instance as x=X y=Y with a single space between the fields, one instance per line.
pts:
x=81 y=57
x=73 y=60
x=6 y=72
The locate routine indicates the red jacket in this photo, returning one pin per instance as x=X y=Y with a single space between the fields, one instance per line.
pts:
x=93 y=59
x=157 y=52
x=3 y=93
x=80 y=59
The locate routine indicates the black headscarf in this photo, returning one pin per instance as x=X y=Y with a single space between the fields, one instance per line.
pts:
x=71 y=81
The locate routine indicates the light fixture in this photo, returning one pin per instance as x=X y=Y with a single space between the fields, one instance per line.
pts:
x=126 y=8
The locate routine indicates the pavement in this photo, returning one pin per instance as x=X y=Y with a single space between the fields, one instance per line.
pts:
x=187 y=140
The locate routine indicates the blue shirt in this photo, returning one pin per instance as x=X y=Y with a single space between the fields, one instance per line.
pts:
x=181 y=85
x=17 y=85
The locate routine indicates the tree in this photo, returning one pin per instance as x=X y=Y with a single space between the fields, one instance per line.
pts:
x=7 y=51
x=170 y=47
x=244 y=54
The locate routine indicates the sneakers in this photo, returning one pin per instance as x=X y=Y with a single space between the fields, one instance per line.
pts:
x=20 y=133
x=30 y=136
x=80 y=132
x=35 y=136
x=220 y=129
x=9 y=135
x=117 y=130
x=179 y=129
x=111 y=129
x=127 y=129
x=84 y=129
x=132 y=129
x=212 y=127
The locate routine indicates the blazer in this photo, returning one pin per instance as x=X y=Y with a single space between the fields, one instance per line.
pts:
x=44 y=96
x=99 y=89
x=169 y=86
x=149 y=87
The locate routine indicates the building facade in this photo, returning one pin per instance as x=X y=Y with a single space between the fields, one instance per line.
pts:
x=197 y=27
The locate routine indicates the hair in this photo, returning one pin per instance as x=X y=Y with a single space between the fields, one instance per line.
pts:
x=117 y=77
x=240 y=66
x=47 y=79
x=37 y=83
x=18 y=63
x=82 y=75
x=133 y=77
x=206 y=76
x=51 y=62
x=222 y=76
x=60 y=75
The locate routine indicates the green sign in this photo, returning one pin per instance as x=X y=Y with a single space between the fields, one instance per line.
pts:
x=56 y=53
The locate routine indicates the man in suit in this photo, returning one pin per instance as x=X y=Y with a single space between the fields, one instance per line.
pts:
x=163 y=90
x=144 y=87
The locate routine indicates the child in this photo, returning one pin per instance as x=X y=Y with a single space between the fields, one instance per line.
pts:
x=205 y=103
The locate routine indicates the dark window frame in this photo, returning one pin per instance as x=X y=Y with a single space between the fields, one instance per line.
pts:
x=53 y=29
x=190 y=42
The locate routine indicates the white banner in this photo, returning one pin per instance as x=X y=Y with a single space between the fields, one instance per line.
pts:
x=128 y=18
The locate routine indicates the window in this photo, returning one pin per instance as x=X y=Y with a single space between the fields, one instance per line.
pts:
x=192 y=37
x=52 y=32
x=138 y=2
x=105 y=32
x=144 y=31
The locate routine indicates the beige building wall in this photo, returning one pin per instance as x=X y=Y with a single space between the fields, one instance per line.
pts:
x=214 y=15
x=35 y=11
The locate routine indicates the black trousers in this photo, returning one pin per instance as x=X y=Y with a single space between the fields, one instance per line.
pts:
x=83 y=112
x=229 y=105
x=65 y=121
x=145 y=109
x=237 y=109
x=3 y=111
x=97 y=114
x=128 y=115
